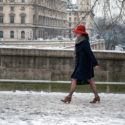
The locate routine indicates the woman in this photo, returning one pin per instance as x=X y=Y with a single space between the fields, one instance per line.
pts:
x=85 y=61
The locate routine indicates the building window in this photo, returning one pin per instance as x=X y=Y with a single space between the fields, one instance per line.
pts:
x=1 y=8
x=11 y=8
x=22 y=8
x=11 y=34
x=1 y=34
x=11 y=0
x=23 y=34
x=22 y=1
x=70 y=19
x=70 y=13
x=11 y=19
x=70 y=25
x=1 y=19
x=75 y=19
x=22 y=19
x=75 y=14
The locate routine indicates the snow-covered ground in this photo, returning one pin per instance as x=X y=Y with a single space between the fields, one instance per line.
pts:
x=58 y=48
x=44 y=108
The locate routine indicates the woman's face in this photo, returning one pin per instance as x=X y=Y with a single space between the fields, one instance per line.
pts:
x=78 y=34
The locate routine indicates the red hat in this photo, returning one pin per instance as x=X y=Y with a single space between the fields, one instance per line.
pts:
x=80 y=29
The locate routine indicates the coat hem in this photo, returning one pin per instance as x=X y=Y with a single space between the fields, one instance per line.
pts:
x=83 y=81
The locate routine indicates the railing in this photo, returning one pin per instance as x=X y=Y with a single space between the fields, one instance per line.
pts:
x=59 y=82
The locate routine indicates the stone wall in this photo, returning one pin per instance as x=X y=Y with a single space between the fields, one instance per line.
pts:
x=38 y=64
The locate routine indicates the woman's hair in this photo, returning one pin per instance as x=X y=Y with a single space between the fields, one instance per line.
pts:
x=86 y=36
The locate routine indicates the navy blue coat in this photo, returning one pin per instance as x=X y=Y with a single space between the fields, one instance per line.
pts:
x=84 y=63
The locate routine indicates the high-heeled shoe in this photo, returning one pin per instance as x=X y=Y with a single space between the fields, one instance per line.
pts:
x=95 y=100
x=66 y=99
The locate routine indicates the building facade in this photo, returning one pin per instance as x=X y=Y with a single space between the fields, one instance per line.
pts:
x=32 y=19
x=80 y=15
x=98 y=44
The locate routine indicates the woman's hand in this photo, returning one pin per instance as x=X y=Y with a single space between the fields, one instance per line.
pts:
x=96 y=67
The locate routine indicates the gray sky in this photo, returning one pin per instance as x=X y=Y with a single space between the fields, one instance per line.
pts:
x=99 y=7
x=74 y=1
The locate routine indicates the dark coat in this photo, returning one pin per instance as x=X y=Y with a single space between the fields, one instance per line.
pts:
x=84 y=63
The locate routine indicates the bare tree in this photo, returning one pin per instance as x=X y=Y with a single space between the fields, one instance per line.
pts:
x=108 y=26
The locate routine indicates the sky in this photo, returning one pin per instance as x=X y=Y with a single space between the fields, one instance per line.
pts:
x=73 y=1
x=99 y=8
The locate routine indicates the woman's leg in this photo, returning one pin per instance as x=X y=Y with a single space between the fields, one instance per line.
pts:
x=93 y=86
x=73 y=87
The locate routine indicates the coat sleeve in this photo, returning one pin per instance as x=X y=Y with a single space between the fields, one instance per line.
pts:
x=87 y=48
